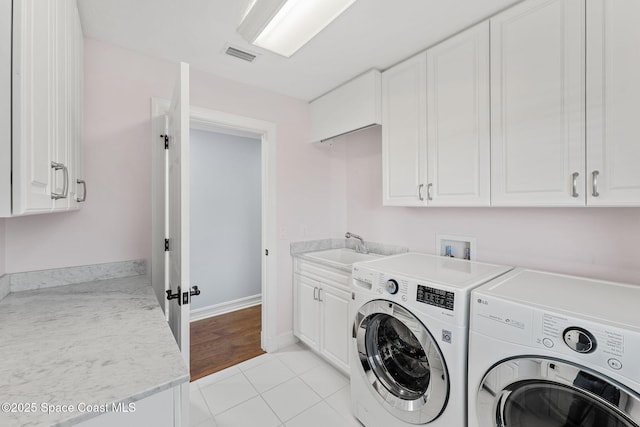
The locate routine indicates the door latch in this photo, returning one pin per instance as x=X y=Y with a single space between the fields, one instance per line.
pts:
x=171 y=296
x=195 y=290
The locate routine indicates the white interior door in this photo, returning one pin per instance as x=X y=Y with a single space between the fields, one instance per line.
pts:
x=159 y=202
x=178 y=310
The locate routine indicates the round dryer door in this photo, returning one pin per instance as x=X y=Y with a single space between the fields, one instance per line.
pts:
x=401 y=361
x=541 y=392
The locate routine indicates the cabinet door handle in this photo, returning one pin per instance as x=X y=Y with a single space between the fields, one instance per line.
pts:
x=574 y=189
x=420 y=192
x=315 y=293
x=320 y=295
x=429 y=187
x=594 y=183
x=84 y=190
x=65 y=186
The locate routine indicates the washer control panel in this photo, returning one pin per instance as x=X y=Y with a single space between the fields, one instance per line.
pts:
x=428 y=297
x=435 y=297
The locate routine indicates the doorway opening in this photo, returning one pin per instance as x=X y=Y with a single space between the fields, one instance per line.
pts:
x=225 y=248
x=207 y=120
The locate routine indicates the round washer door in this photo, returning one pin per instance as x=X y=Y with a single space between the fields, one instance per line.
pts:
x=401 y=362
x=542 y=392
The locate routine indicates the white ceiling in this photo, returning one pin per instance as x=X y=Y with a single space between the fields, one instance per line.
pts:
x=370 y=34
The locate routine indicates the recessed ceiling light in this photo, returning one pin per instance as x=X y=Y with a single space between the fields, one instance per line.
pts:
x=284 y=26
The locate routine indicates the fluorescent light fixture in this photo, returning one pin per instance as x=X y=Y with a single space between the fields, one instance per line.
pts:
x=284 y=26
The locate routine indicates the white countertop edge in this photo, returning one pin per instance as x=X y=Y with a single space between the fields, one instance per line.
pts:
x=84 y=416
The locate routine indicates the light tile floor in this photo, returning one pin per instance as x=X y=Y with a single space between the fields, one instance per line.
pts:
x=292 y=388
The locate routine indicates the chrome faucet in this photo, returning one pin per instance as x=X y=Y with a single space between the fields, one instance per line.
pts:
x=360 y=247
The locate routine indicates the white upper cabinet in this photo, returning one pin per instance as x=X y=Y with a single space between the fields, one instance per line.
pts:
x=353 y=106
x=34 y=107
x=613 y=108
x=458 y=105
x=46 y=108
x=404 y=133
x=538 y=104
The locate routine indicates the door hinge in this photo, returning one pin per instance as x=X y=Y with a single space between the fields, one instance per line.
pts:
x=166 y=245
x=266 y=252
x=166 y=141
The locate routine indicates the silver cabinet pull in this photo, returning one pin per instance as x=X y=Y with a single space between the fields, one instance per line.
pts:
x=315 y=293
x=574 y=190
x=320 y=295
x=420 y=192
x=84 y=190
x=594 y=183
x=429 y=187
x=65 y=186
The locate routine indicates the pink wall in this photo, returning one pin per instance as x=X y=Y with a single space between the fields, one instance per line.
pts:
x=114 y=225
x=596 y=242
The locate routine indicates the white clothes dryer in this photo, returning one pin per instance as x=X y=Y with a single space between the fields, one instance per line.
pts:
x=409 y=338
x=550 y=350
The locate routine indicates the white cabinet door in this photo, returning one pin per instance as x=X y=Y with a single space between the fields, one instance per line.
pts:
x=334 y=343
x=458 y=120
x=62 y=143
x=33 y=109
x=613 y=110
x=306 y=312
x=404 y=133
x=75 y=80
x=538 y=104
x=46 y=105
x=156 y=410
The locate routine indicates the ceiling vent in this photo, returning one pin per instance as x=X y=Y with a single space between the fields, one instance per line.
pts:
x=241 y=54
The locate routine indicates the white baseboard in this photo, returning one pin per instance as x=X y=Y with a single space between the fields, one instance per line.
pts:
x=273 y=344
x=225 y=307
x=285 y=340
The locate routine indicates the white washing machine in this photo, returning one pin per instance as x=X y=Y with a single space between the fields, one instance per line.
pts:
x=549 y=350
x=409 y=338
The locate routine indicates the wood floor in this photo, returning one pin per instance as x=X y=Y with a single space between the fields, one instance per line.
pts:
x=222 y=341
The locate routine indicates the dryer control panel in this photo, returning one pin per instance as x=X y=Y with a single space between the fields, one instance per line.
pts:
x=564 y=336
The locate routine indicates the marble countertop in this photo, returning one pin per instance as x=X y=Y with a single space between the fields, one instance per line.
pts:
x=97 y=343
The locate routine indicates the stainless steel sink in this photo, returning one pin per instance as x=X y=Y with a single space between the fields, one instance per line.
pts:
x=342 y=256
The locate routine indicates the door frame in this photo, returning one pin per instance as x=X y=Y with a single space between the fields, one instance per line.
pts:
x=219 y=121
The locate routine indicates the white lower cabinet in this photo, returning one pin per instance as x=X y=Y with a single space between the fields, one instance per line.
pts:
x=321 y=312
x=156 y=410
x=334 y=325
